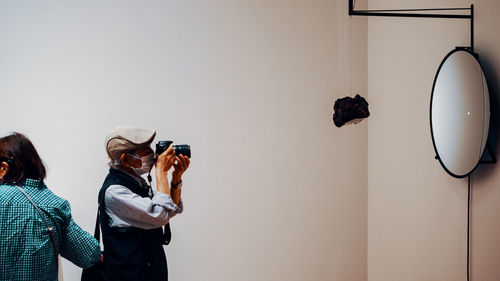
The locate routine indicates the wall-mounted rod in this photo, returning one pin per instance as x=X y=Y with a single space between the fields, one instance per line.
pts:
x=472 y=28
x=404 y=13
x=418 y=10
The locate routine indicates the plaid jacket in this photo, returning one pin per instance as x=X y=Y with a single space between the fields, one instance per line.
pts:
x=26 y=251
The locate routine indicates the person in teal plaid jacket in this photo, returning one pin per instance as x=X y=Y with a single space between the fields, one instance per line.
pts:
x=26 y=250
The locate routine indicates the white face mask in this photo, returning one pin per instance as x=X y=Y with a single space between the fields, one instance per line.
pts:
x=146 y=160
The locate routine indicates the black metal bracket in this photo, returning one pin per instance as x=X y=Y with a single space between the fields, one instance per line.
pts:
x=420 y=13
x=488 y=152
x=425 y=13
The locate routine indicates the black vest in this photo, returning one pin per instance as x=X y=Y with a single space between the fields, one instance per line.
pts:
x=130 y=253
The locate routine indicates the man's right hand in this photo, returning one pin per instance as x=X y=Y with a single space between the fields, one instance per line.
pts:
x=165 y=161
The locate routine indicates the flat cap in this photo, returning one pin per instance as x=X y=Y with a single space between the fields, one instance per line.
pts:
x=126 y=138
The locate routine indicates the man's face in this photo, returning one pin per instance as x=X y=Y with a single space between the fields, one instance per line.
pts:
x=143 y=151
x=136 y=162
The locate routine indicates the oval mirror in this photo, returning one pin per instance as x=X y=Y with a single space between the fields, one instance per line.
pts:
x=459 y=113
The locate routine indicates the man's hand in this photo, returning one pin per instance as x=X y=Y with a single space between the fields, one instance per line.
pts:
x=180 y=166
x=165 y=161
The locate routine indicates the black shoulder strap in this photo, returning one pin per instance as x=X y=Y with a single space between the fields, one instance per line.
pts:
x=51 y=232
x=97 y=230
x=167 y=234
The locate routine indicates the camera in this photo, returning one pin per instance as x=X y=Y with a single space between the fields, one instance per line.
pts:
x=183 y=149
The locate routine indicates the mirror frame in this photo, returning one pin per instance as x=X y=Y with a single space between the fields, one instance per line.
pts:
x=475 y=56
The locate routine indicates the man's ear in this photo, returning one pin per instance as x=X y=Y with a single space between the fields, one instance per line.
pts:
x=4 y=169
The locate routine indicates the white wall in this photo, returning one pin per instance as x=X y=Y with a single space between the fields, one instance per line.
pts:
x=275 y=191
x=417 y=212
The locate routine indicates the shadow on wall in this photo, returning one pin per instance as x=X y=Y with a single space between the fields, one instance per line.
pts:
x=494 y=133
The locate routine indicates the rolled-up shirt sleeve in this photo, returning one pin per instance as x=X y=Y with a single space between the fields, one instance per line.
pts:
x=127 y=209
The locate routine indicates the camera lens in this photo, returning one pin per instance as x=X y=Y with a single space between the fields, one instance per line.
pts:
x=183 y=149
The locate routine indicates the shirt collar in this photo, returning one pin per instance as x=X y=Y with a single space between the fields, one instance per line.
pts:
x=140 y=180
x=34 y=183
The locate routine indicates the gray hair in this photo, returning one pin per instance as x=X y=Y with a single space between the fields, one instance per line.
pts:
x=115 y=163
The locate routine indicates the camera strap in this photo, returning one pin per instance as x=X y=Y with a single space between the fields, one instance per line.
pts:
x=167 y=232
x=150 y=179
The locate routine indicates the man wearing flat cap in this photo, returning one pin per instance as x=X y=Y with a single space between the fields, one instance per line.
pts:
x=131 y=213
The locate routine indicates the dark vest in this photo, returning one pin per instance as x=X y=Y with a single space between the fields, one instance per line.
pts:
x=130 y=253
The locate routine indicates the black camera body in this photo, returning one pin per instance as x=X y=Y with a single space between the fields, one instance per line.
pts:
x=183 y=149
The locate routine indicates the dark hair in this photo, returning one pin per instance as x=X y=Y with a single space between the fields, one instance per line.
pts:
x=24 y=162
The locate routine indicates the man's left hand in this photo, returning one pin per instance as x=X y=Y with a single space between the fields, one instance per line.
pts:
x=180 y=166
